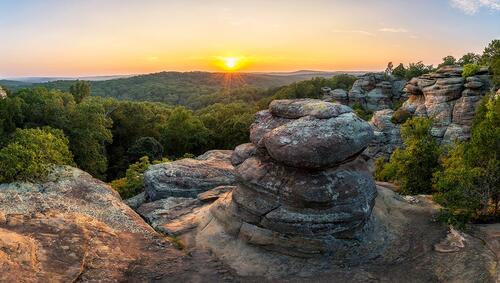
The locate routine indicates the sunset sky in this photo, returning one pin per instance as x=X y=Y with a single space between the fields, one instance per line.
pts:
x=104 y=37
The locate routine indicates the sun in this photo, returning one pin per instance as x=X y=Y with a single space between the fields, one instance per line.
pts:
x=231 y=63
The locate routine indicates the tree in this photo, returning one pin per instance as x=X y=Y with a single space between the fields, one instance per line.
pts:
x=417 y=69
x=399 y=71
x=490 y=52
x=89 y=131
x=412 y=167
x=30 y=153
x=468 y=186
x=145 y=146
x=448 y=61
x=495 y=70
x=228 y=124
x=80 y=90
x=184 y=133
x=469 y=58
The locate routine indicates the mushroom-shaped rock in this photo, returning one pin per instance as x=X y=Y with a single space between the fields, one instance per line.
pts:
x=297 y=108
x=318 y=143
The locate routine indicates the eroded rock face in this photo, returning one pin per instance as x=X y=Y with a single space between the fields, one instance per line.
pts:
x=306 y=189
x=449 y=99
x=76 y=228
x=188 y=177
x=373 y=91
x=387 y=136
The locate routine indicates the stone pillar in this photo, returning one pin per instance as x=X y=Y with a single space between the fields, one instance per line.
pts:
x=302 y=188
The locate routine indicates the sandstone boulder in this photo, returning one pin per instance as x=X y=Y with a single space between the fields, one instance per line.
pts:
x=76 y=228
x=373 y=91
x=188 y=177
x=449 y=99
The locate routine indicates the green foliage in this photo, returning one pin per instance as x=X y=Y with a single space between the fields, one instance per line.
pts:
x=491 y=52
x=88 y=131
x=145 y=146
x=399 y=71
x=133 y=182
x=30 y=153
x=80 y=90
x=228 y=124
x=184 y=133
x=448 y=61
x=495 y=71
x=385 y=171
x=400 y=116
x=413 y=166
x=469 y=58
x=417 y=69
x=469 y=184
x=470 y=70
x=362 y=112
x=413 y=70
x=312 y=88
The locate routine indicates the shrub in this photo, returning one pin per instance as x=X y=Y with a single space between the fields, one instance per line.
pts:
x=362 y=112
x=133 y=182
x=145 y=146
x=469 y=184
x=413 y=166
x=470 y=70
x=30 y=153
x=400 y=116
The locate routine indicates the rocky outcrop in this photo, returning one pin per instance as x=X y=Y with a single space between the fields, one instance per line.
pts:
x=449 y=99
x=373 y=91
x=76 y=228
x=302 y=189
x=188 y=177
x=387 y=135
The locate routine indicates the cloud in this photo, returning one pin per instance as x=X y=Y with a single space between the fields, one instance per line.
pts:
x=362 y=32
x=393 y=30
x=471 y=7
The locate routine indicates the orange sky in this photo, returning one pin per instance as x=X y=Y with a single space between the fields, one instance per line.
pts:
x=79 y=38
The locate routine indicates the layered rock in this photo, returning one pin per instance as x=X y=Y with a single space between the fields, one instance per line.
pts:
x=76 y=228
x=449 y=99
x=188 y=177
x=302 y=188
x=387 y=136
x=373 y=91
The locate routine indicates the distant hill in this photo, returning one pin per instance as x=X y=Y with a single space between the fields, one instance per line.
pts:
x=177 y=88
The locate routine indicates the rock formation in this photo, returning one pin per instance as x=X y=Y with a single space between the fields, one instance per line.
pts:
x=302 y=189
x=445 y=96
x=188 y=177
x=74 y=228
x=373 y=91
x=449 y=99
x=387 y=136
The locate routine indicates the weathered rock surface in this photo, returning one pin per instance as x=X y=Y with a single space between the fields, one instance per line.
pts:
x=449 y=99
x=373 y=91
x=302 y=188
x=387 y=136
x=188 y=177
x=76 y=228
x=310 y=133
x=400 y=249
x=177 y=215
